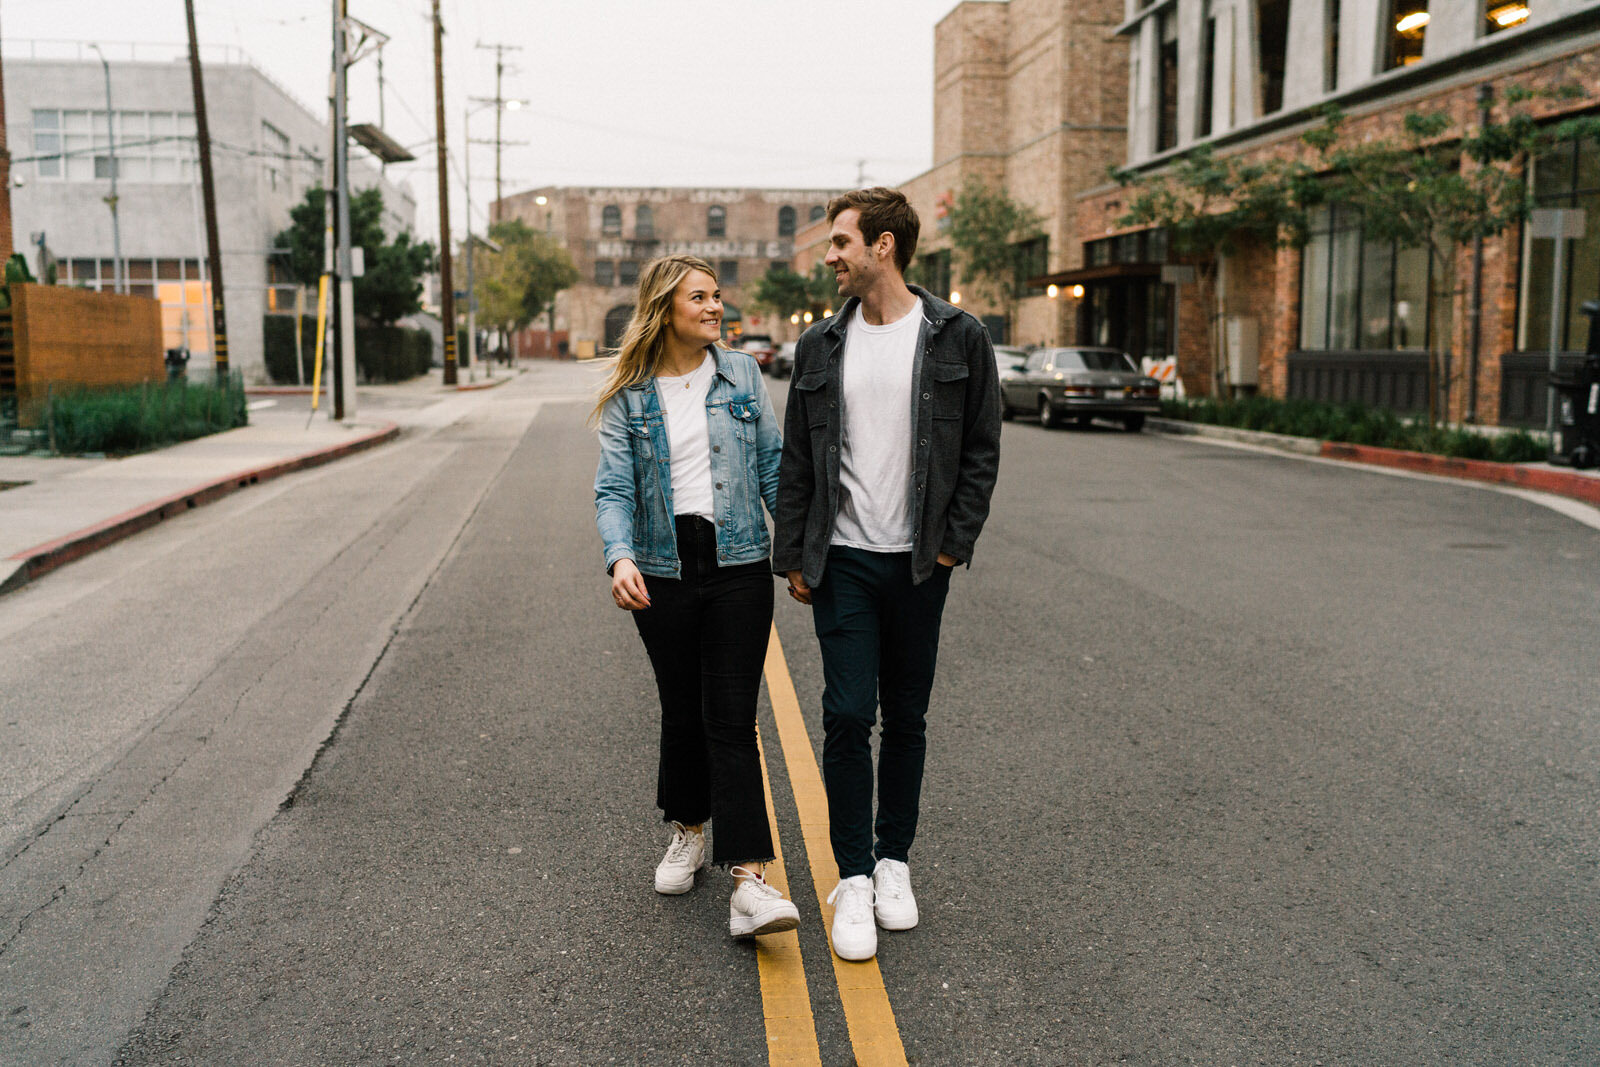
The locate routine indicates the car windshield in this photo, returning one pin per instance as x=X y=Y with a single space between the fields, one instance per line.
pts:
x=1009 y=357
x=1093 y=359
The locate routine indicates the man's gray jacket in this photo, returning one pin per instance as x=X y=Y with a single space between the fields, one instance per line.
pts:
x=955 y=441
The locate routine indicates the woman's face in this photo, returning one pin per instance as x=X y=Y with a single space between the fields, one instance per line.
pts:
x=696 y=310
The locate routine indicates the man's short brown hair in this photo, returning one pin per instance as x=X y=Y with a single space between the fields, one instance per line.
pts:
x=882 y=210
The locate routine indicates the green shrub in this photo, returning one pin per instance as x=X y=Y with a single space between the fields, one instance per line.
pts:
x=277 y=343
x=1355 y=424
x=383 y=353
x=138 y=417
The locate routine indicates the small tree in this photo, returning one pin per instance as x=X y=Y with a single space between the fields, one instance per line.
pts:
x=984 y=224
x=519 y=283
x=1436 y=187
x=391 y=286
x=785 y=292
x=1208 y=206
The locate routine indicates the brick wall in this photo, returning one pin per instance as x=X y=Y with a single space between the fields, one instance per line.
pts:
x=75 y=337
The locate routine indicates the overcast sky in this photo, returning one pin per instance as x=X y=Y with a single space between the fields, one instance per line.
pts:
x=620 y=92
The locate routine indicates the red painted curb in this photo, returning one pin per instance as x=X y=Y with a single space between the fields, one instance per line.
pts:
x=41 y=559
x=1562 y=483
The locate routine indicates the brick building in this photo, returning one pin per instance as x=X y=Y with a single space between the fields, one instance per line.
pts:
x=1347 y=317
x=611 y=233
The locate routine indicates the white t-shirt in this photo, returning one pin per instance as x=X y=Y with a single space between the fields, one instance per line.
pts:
x=875 y=458
x=683 y=401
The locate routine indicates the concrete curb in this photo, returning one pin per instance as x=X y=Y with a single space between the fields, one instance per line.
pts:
x=42 y=559
x=1541 y=479
x=490 y=383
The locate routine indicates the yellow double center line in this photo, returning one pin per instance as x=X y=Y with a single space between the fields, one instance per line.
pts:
x=786 y=1002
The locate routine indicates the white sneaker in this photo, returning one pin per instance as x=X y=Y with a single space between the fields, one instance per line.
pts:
x=686 y=854
x=758 y=908
x=892 y=902
x=854 y=935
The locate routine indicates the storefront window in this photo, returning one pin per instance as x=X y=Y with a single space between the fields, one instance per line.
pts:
x=1566 y=178
x=1357 y=293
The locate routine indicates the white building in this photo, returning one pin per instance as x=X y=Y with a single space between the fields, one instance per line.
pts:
x=268 y=148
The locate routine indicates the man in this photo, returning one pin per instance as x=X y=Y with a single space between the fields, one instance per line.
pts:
x=891 y=445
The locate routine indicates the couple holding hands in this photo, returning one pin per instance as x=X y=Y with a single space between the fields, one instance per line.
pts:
x=878 y=487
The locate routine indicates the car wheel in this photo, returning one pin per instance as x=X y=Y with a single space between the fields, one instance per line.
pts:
x=1047 y=414
x=1133 y=423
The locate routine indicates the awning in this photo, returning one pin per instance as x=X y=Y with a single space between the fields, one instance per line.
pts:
x=1104 y=272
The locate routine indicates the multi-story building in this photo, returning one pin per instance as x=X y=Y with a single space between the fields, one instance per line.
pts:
x=1029 y=98
x=267 y=150
x=1347 y=317
x=612 y=232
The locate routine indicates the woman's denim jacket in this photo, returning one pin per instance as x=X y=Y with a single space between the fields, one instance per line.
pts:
x=633 y=485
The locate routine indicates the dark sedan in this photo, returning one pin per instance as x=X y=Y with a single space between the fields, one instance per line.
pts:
x=1081 y=384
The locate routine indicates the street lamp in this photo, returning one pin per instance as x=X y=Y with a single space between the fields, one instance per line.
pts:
x=111 y=152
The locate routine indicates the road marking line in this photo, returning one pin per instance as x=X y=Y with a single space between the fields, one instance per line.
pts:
x=785 y=999
x=874 y=1035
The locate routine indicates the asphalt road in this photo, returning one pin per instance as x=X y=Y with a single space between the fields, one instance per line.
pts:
x=1234 y=758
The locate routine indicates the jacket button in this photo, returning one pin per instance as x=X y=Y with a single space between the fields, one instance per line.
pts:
x=719 y=484
x=927 y=396
x=833 y=448
x=924 y=442
x=716 y=448
x=722 y=522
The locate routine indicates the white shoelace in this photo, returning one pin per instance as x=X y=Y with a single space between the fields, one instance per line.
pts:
x=896 y=882
x=678 y=849
x=855 y=901
x=750 y=878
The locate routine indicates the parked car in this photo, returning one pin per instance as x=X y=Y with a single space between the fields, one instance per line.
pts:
x=1009 y=361
x=1082 y=384
x=760 y=346
x=783 y=360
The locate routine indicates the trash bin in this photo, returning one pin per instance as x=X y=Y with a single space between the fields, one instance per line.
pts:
x=177 y=360
x=1577 y=437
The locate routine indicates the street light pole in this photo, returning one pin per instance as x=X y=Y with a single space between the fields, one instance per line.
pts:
x=472 y=294
x=345 y=400
x=117 y=274
x=447 y=296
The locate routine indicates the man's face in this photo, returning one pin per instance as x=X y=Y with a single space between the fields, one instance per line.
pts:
x=855 y=266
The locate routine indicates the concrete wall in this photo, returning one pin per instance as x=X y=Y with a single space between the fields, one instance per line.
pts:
x=163 y=220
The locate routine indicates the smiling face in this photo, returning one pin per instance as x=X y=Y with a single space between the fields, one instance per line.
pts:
x=696 y=317
x=855 y=264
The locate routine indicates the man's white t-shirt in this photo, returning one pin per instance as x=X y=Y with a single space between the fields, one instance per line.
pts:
x=875 y=457
x=683 y=401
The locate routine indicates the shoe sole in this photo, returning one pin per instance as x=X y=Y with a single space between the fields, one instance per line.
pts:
x=856 y=959
x=898 y=924
x=757 y=925
x=673 y=889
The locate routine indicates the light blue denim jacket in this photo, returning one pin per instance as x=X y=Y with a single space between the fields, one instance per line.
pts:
x=633 y=484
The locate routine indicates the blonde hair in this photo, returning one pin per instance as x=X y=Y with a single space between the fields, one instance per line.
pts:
x=644 y=342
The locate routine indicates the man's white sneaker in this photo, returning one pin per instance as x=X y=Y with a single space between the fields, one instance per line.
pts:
x=686 y=854
x=854 y=935
x=758 y=908
x=892 y=902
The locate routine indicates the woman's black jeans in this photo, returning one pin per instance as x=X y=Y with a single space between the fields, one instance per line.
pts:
x=706 y=634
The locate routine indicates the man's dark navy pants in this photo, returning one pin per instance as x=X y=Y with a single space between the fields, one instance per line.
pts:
x=880 y=642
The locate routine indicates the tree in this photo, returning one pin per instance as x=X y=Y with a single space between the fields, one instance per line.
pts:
x=984 y=225
x=519 y=283
x=391 y=286
x=785 y=293
x=1207 y=206
x=1436 y=187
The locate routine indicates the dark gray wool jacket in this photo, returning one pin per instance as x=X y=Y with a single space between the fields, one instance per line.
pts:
x=955 y=442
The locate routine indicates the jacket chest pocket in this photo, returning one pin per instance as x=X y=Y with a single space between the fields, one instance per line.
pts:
x=640 y=437
x=746 y=412
x=949 y=388
x=810 y=386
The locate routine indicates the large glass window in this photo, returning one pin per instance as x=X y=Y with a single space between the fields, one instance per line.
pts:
x=1029 y=259
x=786 y=221
x=935 y=272
x=151 y=146
x=716 y=221
x=611 y=221
x=1360 y=294
x=605 y=273
x=1272 y=48
x=1566 y=178
x=728 y=272
x=1208 y=69
x=628 y=272
x=1407 y=28
x=644 y=223
x=1167 y=80
x=1330 y=46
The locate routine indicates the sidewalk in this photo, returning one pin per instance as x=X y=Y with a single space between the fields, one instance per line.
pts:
x=1540 y=477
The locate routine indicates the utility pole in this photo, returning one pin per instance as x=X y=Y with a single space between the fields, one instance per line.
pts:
x=447 y=294
x=118 y=271
x=499 y=51
x=345 y=380
x=5 y=187
x=208 y=189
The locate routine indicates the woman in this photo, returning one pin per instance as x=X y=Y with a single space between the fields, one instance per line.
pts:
x=689 y=450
